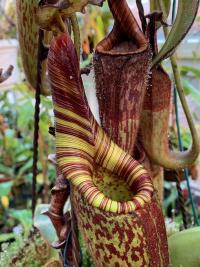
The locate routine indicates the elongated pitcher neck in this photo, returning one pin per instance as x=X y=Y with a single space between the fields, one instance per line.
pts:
x=66 y=83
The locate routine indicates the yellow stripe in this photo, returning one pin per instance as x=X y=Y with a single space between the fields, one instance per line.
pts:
x=135 y=174
x=116 y=154
x=114 y=206
x=74 y=160
x=97 y=200
x=107 y=158
x=100 y=145
x=72 y=115
x=139 y=199
x=98 y=138
x=74 y=126
x=73 y=142
x=131 y=204
x=80 y=179
x=145 y=198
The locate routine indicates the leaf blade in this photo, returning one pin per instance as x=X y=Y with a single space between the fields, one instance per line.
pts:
x=185 y=17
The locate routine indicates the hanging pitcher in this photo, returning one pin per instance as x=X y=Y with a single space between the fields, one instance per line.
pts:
x=113 y=196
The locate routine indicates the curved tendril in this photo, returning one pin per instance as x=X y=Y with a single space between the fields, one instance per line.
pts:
x=195 y=139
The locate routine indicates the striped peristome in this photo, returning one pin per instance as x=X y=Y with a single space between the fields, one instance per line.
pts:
x=82 y=145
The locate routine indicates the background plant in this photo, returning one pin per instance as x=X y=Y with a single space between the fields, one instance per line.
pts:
x=16 y=128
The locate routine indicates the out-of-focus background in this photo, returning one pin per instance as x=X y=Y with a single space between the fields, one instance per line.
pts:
x=17 y=113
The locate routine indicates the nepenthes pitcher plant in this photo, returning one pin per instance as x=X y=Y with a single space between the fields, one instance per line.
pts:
x=108 y=166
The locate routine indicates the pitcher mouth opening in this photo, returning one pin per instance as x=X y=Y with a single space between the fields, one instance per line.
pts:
x=117 y=44
x=82 y=145
x=140 y=189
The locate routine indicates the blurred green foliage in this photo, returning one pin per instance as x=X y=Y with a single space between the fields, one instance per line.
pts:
x=16 y=150
x=31 y=251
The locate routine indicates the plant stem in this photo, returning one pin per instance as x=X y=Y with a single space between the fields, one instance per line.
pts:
x=76 y=33
x=179 y=87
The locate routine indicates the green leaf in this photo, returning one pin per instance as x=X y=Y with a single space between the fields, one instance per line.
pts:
x=7 y=171
x=44 y=224
x=46 y=102
x=184 y=248
x=25 y=168
x=24 y=217
x=86 y=62
x=5 y=188
x=25 y=115
x=6 y=237
x=105 y=8
x=198 y=19
x=186 y=138
x=186 y=13
x=185 y=69
x=24 y=153
x=10 y=133
x=189 y=89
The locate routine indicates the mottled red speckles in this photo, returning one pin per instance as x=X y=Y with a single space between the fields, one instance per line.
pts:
x=129 y=233
x=120 y=232
x=88 y=226
x=99 y=233
x=156 y=213
x=126 y=239
x=134 y=257
x=111 y=248
x=99 y=219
